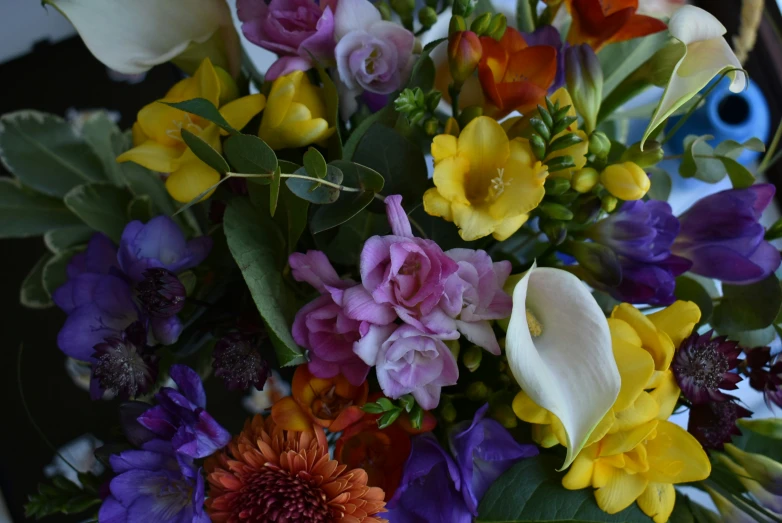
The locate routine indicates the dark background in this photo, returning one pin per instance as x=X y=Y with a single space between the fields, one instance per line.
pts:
x=55 y=78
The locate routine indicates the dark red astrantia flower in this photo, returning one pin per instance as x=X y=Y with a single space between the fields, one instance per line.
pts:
x=703 y=365
x=714 y=424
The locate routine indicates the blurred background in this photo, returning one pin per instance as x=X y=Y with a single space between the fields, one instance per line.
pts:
x=44 y=65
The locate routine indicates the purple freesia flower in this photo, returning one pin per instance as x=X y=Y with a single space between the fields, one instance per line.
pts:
x=641 y=235
x=159 y=243
x=430 y=487
x=721 y=236
x=181 y=419
x=154 y=484
x=548 y=35
x=408 y=361
x=291 y=28
x=372 y=54
x=484 y=450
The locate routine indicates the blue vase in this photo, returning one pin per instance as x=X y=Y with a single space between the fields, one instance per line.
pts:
x=727 y=116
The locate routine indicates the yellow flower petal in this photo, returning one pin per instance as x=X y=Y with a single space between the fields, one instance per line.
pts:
x=636 y=460
x=486 y=147
x=239 y=112
x=139 y=136
x=675 y=456
x=620 y=489
x=436 y=205
x=521 y=183
x=312 y=97
x=604 y=427
x=635 y=367
x=162 y=123
x=280 y=98
x=580 y=473
x=190 y=180
x=579 y=154
x=658 y=344
x=643 y=410
x=657 y=501
x=677 y=320
x=666 y=395
x=622 y=330
x=527 y=410
x=299 y=134
x=544 y=436
x=622 y=442
x=504 y=229
x=153 y=156
x=473 y=222
x=450 y=176
x=443 y=146
x=229 y=91
x=204 y=84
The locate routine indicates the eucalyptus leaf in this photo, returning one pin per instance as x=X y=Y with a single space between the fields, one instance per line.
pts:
x=140 y=208
x=331 y=97
x=205 y=152
x=32 y=293
x=292 y=217
x=46 y=153
x=313 y=191
x=346 y=207
x=205 y=109
x=25 y=213
x=661 y=184
x=257 y=246
x=101 y=134
x=102 y=206
x=755 y=338
x=733 y=149
x=143 y=182
x=250 y=155
x=314 y=163
x=740 y=176
x=690 y=290
x=385 y=116
x=57 y=240
x=274 y=191
x=748 y=307
x=699 y=161
x=359 y=176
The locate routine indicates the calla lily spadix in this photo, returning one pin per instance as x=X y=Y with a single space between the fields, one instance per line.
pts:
x=559 y=349
x=705 y=54
x=132 y=36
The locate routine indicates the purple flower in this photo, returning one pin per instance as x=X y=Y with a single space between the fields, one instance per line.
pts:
x=484 y=450
x=412 y=276
x=124 y=365
x=714 y=424
x=407 y=361
x=239 y=363
x=548 y=35
x=641 y=234
x=721 y=235
x=290 y=28
x=154 y=484
x=372 y=54
x=430 y=487
x=325 y=327
x=159 y=243
x=703 y=365
x=180 y=417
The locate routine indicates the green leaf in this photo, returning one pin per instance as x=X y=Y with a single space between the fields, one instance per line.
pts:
x=739 y=175
x=205 y=109
x=755 y=338
x=205 y=152
x=293 y=218
x=140 y=208
x=345 y=247
x=386 y=404
x=101 y=206
x=314 y=163
x=661 y=184
x=619 y=60
x=733 y=149
x=274 y=191
x=55 y=272
x=388 y=419
x=759 y=443
x=46 y=153
x=315 y=192
x=250 y=155
x=372 y=408
x=748 y=307
x=385 y=116
x=57 y=240
x=143 y=182
x=532 y=491
x=61 y=497
x=25 y=213
x=32 y=293
x=699 y=161
x=102 y=135
x=331 y=97
x=769 y=427
x=423 y=71
x=360 y=176
x=690 y=290
x=346 y=207
x=397 y=159
x=258 y=248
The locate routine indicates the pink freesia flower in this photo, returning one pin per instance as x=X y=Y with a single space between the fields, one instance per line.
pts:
x=291 y=28
x=372 y=54
x=408 y=361
x=323 y=325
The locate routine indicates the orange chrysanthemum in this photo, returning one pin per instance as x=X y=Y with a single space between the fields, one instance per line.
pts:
x=275 y=475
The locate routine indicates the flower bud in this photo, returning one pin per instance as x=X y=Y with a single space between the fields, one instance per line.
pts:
x=456 y=24
x=427 y=16
x=468 y=114
x=556 y=186
x=477 y=391
x=497 y=27
x=464 y=53
x=503 y=413
x=599 y=260
x=463 y=7
x=555 y=230
x=608 y=203
x=431 y=126
x=448 y=412
x=451 y=127
x=761 y=468
x=385 y=10
x=472 y=358
x=626 y=181
x=403 y=7
x=651 y=155
x=599 y=144
x=584 y=78
x=161 y=293
x=585 y=180
x=556 y=211
x=481 y=24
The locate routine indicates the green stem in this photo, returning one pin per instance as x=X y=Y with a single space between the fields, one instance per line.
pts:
x=765 y=164
x=630 y=87
x=454 y=91
x=298 y=176
x=524 y=17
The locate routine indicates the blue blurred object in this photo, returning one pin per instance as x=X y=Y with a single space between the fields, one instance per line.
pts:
x=727 y=116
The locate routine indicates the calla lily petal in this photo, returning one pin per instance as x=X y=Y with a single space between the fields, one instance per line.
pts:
x=132 y=37
x=706 y=55
x=568 y=368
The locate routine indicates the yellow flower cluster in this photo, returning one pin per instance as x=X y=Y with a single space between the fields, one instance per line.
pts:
x=634 y=453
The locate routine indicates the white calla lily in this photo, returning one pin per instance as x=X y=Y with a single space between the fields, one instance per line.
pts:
x=132 y=36
x=559 y=349
x=706 y=54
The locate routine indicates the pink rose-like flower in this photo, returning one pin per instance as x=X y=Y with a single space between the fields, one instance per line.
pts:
x=323 y=325
x=372 y=54
x=412 y=275
x=291 y=28
x=407 y=361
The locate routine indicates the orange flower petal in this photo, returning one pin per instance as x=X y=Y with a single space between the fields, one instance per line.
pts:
x=346 y=418
x=638 y=25
x=287 y=414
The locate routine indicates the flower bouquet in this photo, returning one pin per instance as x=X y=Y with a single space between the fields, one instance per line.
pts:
x=427 y=219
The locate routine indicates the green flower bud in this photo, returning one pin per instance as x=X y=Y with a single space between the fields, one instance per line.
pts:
x=584 y=78
x=448 y=412
x=464 y=53
x=497 y=27
x=477 y=391
x=427 y=16
x=481 y=24
x=585 y=180
x=650 y=156
x=431 y=126
x=503 y=413
x=608 y=203
x=556 y=186
x=463 y=7
x=556 y=211
x=457 y=24
x=472 y=358
x=538 y=146
x=598 y=260
x=385 y=10
x=555 y=230
x=599 y=144
x=468 y=114
x=403 y=7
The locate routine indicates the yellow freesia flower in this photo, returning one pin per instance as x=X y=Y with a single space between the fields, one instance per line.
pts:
x=634 y=454
x=296 y=114
x=484 y=182
x=519 y=126
x=157 y=133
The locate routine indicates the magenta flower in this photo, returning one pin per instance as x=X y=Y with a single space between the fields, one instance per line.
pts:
x=408 y=361
x=324 y=326
x=291 y=28
x=372 y=54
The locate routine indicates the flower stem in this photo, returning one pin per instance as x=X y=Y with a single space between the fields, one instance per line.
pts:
x=298 y=176
x=766 y=163
x=454 y=91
